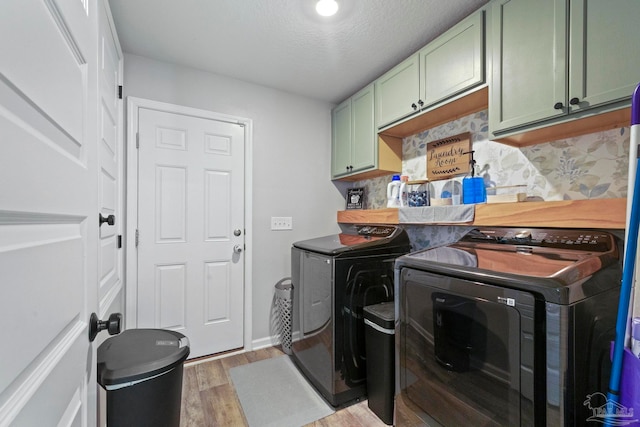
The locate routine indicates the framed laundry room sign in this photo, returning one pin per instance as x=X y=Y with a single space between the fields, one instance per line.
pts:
x=448 y=157
x=355 y=198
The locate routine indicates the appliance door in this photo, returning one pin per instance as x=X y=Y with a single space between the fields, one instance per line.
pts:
x=466 y=350
x=316 y=280
x=312 y=277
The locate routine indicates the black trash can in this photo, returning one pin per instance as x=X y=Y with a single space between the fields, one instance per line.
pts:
x=379 y=338
x=141 y=371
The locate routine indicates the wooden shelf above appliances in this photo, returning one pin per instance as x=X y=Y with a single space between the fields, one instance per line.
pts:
x=596 y=213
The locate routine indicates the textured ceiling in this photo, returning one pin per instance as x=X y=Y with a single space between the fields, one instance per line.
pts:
x=284 y=44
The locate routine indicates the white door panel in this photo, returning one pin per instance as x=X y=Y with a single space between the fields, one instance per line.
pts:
x=61 y=60
x=111 y=159
x=48 y=207
x=190 y=201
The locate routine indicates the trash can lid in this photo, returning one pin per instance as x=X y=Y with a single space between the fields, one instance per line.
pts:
x=140 y=353
x=382 y=314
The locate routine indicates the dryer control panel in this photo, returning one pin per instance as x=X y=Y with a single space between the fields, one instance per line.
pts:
x=375 y=230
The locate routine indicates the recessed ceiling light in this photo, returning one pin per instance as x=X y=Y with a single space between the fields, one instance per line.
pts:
x=327 y=7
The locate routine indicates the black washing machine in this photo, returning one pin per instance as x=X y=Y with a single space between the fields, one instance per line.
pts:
x=334 y=278
x=507 y=327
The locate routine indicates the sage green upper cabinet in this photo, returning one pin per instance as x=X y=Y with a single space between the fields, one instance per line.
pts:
x=536 y=79
x=364 y=130
x=454 y=62
x=357 y=151
x=341 y=139
x=354 y=134
x=604 y=53
x=398 y=92
x=529 y=61
x=449 y=65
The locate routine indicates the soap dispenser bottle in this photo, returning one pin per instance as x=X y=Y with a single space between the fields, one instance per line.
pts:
x=473 y=190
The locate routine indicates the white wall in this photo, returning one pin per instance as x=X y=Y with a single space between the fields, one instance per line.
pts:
x=291 y=162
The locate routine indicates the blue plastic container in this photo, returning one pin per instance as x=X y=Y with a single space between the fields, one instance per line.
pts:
x=473 y=190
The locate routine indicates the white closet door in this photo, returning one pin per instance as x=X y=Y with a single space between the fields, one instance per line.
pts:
x=48 y=211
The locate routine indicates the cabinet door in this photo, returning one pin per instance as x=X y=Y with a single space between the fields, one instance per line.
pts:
x=364 y=147
x=529 y=69
x=454 y=61
x=341 y=139
x=604 y=51
x=397 y=92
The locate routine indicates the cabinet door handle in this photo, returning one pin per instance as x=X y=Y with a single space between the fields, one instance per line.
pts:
x=574 y=101
x=558 y=106
x=414 y=106
x=420 y=103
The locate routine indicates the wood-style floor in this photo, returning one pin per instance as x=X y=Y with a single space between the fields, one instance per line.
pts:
x=209 y=398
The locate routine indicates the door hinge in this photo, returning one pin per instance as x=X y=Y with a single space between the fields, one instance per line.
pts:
x=137 y=237
x=120 y=92
x=137 y=140
x=119 y=241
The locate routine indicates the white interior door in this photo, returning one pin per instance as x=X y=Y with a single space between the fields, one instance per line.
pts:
x=111 y=159
x=191 y=228
x=48 y=211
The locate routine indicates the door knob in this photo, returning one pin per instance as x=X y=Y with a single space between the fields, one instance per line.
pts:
x=110 y=220
x=237 y=249
x=113 y=325
x=237 y=232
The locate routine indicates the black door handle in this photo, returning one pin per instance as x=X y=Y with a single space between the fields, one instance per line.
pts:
x=113 y=325
x=110 y=219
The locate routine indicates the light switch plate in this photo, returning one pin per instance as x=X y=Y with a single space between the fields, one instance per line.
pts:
x=281 y=223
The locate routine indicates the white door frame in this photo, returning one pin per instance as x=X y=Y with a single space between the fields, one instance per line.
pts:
x=133 y=106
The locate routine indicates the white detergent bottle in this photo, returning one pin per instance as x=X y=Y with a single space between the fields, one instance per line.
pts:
x=393 y=192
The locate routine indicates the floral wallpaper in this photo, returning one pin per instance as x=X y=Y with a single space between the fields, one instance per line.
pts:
x=586 y=167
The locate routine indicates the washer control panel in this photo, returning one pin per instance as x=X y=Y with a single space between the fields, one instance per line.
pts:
x=592 y=240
